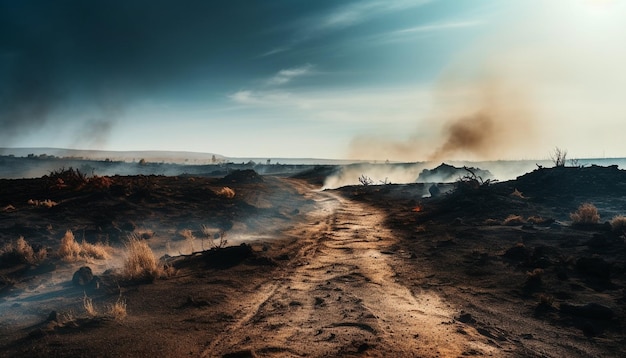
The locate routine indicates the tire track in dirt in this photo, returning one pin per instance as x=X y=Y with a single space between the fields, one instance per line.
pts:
x=338 y=296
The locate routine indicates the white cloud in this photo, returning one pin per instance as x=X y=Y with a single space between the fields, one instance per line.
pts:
x=439 y=26
x=359 y=12
x=287 y=75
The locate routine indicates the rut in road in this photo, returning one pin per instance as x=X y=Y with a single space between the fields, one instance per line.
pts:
x=338 y=296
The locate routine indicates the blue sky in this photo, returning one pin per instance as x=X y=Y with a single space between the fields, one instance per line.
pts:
x=372 y=79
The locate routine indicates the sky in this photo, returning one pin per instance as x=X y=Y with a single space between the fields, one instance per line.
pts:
x=403 y=80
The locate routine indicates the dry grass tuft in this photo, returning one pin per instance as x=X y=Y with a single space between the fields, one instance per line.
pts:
x=70 y=250
x=514 y=220
x=618 y=224
x=586 y=214
x=22 y=251
x=89 y=307
x=97 y=251
x=118 y=310
x=226 y=192
x=141 y=262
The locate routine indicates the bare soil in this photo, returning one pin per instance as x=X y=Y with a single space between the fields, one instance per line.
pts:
x=371 y=271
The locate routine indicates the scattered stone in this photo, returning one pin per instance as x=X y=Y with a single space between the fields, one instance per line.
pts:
x=465 y=318
x=240 y=354
x=53 y=316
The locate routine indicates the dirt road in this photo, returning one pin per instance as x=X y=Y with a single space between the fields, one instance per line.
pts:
x=339 y=296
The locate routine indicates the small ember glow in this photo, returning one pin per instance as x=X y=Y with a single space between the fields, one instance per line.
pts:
x=417 y=209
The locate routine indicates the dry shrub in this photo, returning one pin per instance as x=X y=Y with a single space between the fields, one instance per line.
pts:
x=618 y=223
x=586 y=214
x=22 y=251
x=513 y=220
x=140 y=262
x=226 y=192
x=217 y=238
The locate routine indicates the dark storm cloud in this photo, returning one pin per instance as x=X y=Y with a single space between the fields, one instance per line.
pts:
x=59 y=53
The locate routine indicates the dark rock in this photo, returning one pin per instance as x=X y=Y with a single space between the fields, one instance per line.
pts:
x=83 y=277
x=518 y=253
x=240 y=354
x=228 y=256
x=465 y=318
x=445 y=173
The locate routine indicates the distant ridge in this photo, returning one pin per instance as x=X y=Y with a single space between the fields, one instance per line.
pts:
x=176 y=157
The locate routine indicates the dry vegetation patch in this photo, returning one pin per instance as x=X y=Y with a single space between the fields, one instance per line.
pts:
x=22 y=251
x=70 y=250
x=586 y=214
x=140 y=261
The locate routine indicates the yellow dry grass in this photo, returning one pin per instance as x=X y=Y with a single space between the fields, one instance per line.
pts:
x=513 y=220
x=24 y=251
x=70 y=250
x=587 y=213
x=140 y=261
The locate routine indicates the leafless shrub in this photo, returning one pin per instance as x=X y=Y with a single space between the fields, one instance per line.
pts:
x=99 y=182
x=586 y=214
x=491 y=222
x=365 y=180
x=558 y=157
x=226 y=192
x=217 y=238
x=518 y=194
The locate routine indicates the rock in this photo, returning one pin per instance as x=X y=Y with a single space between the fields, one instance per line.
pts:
x=83 y=277
x=53 y=316
x=434 y=191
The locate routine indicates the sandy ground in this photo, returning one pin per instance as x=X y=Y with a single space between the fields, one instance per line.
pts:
x=351 y=272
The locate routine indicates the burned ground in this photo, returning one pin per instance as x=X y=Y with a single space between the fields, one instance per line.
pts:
x=483 y=269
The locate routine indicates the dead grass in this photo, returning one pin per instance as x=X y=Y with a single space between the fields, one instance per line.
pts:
x=512 y=220
x=70 y=250
x=226 y=192
x=618 y=223
x=118 y=311
x=89 y=307
x=21 y=250
x=140 y=261
x=586 y=214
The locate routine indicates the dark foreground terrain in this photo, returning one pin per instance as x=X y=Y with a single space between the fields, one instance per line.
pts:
x=483 y=269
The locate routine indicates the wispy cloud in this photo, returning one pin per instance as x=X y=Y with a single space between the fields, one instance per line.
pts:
x=287 y=75
x=439 y=27
x=342 y=17
x=359 y=12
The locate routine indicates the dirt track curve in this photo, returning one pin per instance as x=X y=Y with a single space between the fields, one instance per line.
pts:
x=339 y=297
